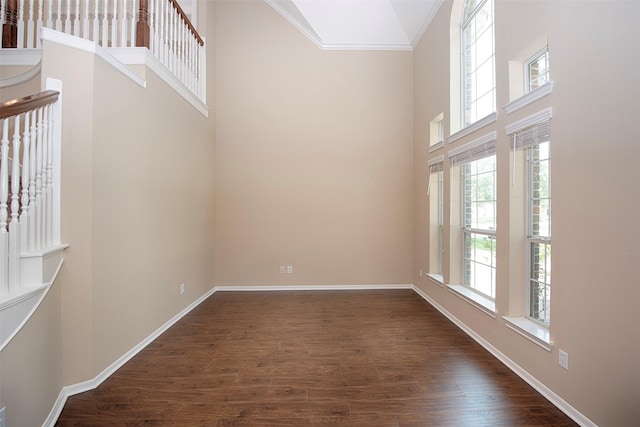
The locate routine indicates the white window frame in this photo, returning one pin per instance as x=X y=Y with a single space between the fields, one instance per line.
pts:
x=468 y=116
x=523 y=134
x=532 y=239
x=469 y=232
x=527 y=70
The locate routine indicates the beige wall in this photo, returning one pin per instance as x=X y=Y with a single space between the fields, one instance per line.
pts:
x=314 y=157
x=595 y=63
x=137 y=212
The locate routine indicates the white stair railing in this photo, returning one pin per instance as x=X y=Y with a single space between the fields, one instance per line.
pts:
x=30 y=145
x=159 y=25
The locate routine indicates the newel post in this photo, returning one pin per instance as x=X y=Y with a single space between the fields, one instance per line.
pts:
x=143 y=31
x=10 y=27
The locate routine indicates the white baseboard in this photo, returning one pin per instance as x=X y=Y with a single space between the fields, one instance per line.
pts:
x=556 y=400
x=73 y=389
x=530 y=379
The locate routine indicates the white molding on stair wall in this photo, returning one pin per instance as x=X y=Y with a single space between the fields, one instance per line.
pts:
x=74 y=42
x=22 y=77
x=518 y=370
x=118 y=58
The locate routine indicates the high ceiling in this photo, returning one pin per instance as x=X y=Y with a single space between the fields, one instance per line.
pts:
x=360 y=24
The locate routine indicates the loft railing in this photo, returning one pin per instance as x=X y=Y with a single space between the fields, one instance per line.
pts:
x=159 y=25
x=30 y=145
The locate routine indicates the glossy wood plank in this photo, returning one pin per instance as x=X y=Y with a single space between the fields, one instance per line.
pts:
x=343 y=358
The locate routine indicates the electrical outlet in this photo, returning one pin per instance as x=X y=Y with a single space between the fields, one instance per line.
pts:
x=563 y=359
x=3 y=417
x=282 y=269
x=181 y=288
x=289 y=269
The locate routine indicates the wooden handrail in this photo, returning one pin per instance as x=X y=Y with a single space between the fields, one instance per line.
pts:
x=22 y=105
x=187 y=21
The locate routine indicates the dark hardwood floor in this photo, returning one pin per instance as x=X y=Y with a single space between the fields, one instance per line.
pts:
x=344 y=358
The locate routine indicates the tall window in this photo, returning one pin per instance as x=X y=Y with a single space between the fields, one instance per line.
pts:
x=440 y=221
x=537 y=70
x=539 y=232
x=479 y=225
x=476 y=163
x=534 y=140
x=478 y=61
x=436 y=215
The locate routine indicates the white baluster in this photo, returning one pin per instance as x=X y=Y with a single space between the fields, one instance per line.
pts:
x=105 y=26
x=15 y=171
x=132 y=25
x=76 y=19
x=4 y=177
x=59 y=16
x=123 y=25
x=14 y=226
x=4 y=187
x=38 y=202
x=32 y=181
x=50 y=14
x=96 y=23
x=3 y=5
x=114 y=24
x=39 y=23
x=31 y=34
x=21 y=20
x=26 y=163
x=67 y=19
x=85 y=21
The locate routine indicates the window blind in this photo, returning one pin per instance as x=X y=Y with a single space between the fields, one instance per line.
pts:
x=435 y=165
x=532 y=135
x=477 y=149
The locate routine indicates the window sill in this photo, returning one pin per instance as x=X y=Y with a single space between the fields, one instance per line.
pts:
x=529 y=97
x=437 y=278
x=479 y=301
x=436 y=147
x=529 y=329
x=473 y=127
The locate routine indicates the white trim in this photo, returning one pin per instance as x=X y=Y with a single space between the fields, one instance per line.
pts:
x=438 y=145
x=492 y=136
x=478 y=124
x=529 y=329
x=91 y=384
x=21 y=78
x=545 y=391
x=484 y=304
x=539 y=117
x=529 y=97
x=436 y=160
x=24 y=296
x=20 y=57
x=437 y=278
x=405 y=47
x=143 y=56
x=53 y=36
x=313 y=287
x=119 y=58
x=425 y=25
x=285 y=14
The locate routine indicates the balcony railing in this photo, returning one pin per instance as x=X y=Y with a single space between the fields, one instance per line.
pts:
x=159 y=25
